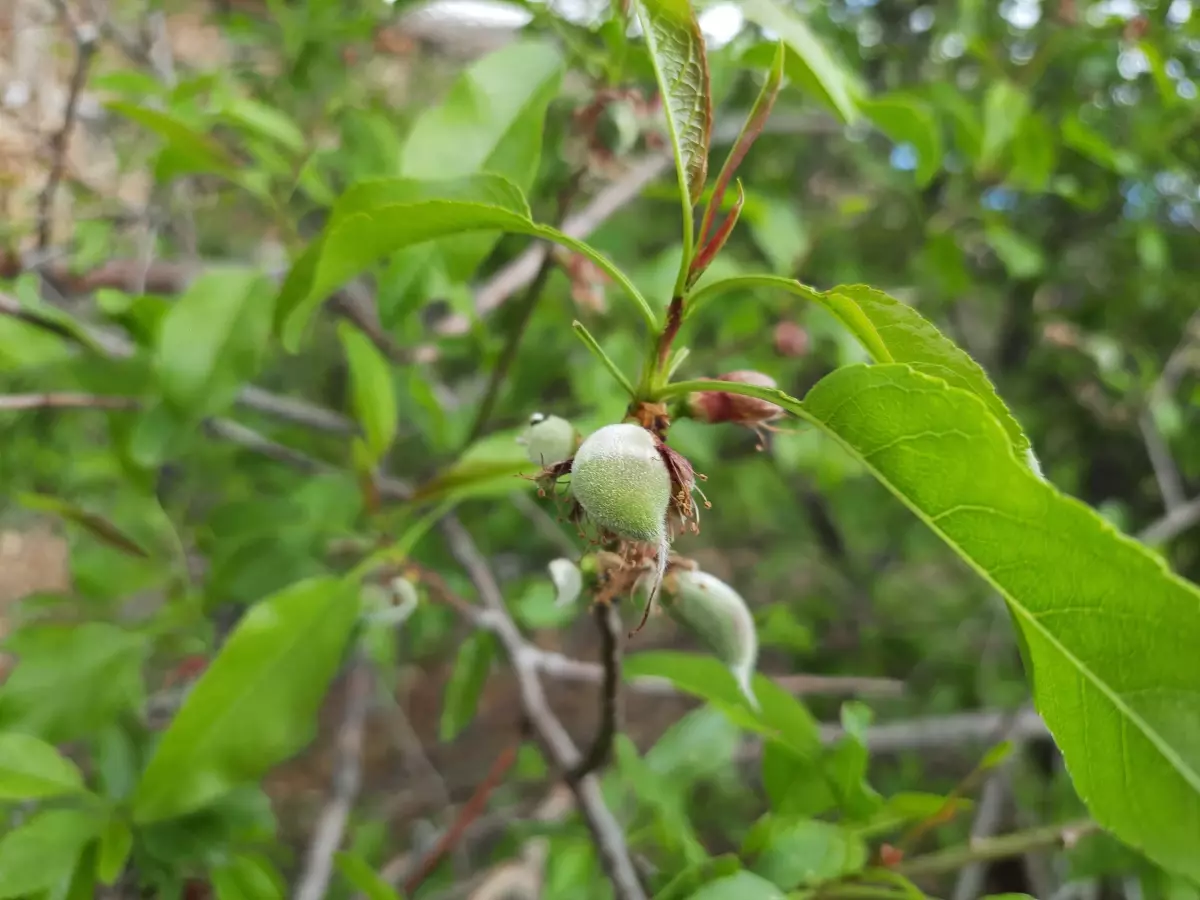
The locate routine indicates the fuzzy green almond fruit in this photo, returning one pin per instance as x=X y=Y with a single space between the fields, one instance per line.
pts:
x=548 y=439
x=718 y=615
x=621 y=481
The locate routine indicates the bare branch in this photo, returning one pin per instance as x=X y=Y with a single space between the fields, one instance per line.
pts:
x=1172 y=524
x=86 y=37
x=469 y=813
x=64 y=400
x=347 y=777
x=1166 y=473
x=606 y=831
x=608 y=623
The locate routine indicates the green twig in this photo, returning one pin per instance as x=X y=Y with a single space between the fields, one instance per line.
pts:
x=592 y=344
x=1001 y=847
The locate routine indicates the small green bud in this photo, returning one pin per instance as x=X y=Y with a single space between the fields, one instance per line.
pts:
x=548 y=439
x=568 y=581
x=621 y=481
x=718 y=615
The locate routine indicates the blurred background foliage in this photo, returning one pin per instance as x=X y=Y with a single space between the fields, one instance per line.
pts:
x=1024 y=173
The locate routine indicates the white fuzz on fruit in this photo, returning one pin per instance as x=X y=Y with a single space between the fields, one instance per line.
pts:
x=568 y=581
x=619 y=478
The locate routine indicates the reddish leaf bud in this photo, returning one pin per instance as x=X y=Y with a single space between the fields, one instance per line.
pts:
x=790 y=339
x=720 y=406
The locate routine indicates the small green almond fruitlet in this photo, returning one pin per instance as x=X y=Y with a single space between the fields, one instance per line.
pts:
x=718 y=615
x=621 y=481
x=548 y=439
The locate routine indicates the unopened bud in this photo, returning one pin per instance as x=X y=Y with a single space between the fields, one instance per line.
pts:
x=568 y=581
x=714 y=407
x=790 y=339
x=548 y=439
x=718 y=615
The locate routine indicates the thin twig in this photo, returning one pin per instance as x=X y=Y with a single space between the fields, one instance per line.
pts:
x=989 y=816
x=64 y=400
x=1002 y=847
x=347 y=778
x=521 y=317
x=470 y=811
x=608 y=623
x=1172 y=524
x=607 y=834
x=1166 y=473
x=86 y=37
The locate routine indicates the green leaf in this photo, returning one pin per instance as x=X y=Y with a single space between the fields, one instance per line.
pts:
x=374 y=399
x=1004 y=108
x=892 y=331
x=471 y=668
x=1089 y=602
x=116 y=843
x=1020 y=256
x=359 y=873
x=31 y=769
x=213 y=340
x=247 y=876
x=492 y=121
x=691 y=879
x=792 y=853
x=676 y=48
x=739 y=886
x=71 y=681
x=41 y=853
x=1034 y=154
x=94 y=524
x=809 y=63
x=1093 y=145
x=377 y=218
x=256 y=703
x=781 y=716
x=906 y=120
x=192 y=150
x=265 y=121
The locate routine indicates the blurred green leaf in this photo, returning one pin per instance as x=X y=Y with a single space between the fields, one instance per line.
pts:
x=809 y=63
x=1020 y=256
x=467 y=680
x=738 y=886
x=213 y=340
x=359 y=873
x=193 y=151
x=42 y=852
x=256 y=703
x=374 y=399
x=30 y=769
x=491 y=121
x=691 y=879
x=792 y=853
x=906 y=120
x=266 y=121
x=71 y=680
x=247 y=876
x=116 y=843
x=1093 y=145
x=781 y=716
x=1034 y=154
x=1004 y=109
